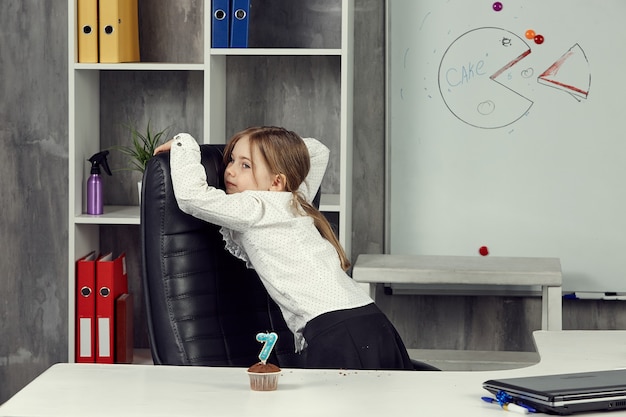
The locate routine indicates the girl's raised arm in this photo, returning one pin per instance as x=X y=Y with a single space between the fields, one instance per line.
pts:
x=319 y=154
x=199 y=199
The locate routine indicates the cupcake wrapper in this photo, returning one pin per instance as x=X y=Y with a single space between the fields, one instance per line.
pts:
x=264 y=382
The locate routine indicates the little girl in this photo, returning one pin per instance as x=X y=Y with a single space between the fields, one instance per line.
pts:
x=268 y=221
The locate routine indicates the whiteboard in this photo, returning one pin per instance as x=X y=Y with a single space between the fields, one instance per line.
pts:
x=502 y=139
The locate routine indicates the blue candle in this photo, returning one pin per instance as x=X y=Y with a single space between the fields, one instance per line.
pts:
x=268 y=340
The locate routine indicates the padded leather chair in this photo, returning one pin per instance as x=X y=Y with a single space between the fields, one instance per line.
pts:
x=203 y=306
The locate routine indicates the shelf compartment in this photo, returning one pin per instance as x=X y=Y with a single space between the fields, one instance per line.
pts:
x=303 y=96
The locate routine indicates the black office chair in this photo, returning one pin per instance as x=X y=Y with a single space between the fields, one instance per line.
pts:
x=203 y=306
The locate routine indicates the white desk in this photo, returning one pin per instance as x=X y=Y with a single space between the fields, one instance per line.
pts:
x=468 y=271
x=143 y=390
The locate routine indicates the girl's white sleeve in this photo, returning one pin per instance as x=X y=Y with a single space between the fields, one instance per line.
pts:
x=197 y=198
x=319 y=154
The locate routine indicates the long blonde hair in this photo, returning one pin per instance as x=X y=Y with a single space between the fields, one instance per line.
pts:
x=286 y=153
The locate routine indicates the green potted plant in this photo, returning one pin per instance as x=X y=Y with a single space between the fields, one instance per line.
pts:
x=141 y=148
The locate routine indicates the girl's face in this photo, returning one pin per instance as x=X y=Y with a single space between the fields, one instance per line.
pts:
x=247 y=170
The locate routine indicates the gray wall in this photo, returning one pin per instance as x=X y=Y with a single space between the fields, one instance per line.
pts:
x=33 y=183
x=33 y=186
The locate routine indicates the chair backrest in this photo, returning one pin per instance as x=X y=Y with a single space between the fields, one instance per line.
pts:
x=204 y=307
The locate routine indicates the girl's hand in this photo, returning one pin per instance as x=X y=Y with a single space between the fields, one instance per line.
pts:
x=164 y=147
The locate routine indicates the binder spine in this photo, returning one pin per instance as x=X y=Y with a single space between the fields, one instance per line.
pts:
x=111 y=282
x=239 y=24
x=220 y=22
x=87 y=31
x=85 y=309
x=118 y=31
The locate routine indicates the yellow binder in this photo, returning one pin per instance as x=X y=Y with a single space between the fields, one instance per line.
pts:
x=119 y=31
x=87 y=31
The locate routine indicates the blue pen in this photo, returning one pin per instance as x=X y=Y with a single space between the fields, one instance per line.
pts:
x=516 y=408
x=504 y=397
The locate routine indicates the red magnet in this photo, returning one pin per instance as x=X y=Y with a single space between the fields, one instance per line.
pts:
x=484 y=250
x=538 y=39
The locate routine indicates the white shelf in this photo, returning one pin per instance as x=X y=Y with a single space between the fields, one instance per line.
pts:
x=330 y=202
x=112 y=215
x=130 y=214
x=276 y=51
x=84 y=114
x=141 y=66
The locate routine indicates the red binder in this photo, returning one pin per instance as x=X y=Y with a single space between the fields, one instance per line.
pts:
x=124 y=329
x=111 y=282
x=85 y=308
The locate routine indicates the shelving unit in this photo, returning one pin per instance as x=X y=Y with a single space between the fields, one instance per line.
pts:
x=89 y=116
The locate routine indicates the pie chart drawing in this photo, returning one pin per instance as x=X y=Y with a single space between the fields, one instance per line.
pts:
x=469 y=75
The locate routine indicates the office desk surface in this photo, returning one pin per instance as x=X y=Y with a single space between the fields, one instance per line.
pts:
x=146 y=390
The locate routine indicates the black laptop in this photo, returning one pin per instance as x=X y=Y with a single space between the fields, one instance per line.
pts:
x=565 y=393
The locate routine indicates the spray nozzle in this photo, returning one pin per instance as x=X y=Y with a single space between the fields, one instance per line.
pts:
x=98 y=159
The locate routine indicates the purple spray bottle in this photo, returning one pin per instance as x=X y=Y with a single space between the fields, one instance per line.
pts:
x=94 y=183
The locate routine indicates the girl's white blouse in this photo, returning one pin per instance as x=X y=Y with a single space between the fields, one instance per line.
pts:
x=299 y=268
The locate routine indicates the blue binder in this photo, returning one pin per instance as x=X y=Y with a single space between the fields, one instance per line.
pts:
x=220 y=23
x=239 y=24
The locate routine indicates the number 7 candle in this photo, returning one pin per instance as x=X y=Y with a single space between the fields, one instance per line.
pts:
x=268 y=340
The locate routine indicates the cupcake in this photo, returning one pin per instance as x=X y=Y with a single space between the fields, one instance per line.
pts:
x=263 y=376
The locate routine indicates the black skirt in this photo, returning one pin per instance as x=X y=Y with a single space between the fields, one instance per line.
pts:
x=358 y=338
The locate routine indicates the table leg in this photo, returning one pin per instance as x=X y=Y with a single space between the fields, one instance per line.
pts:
x=551 y=308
